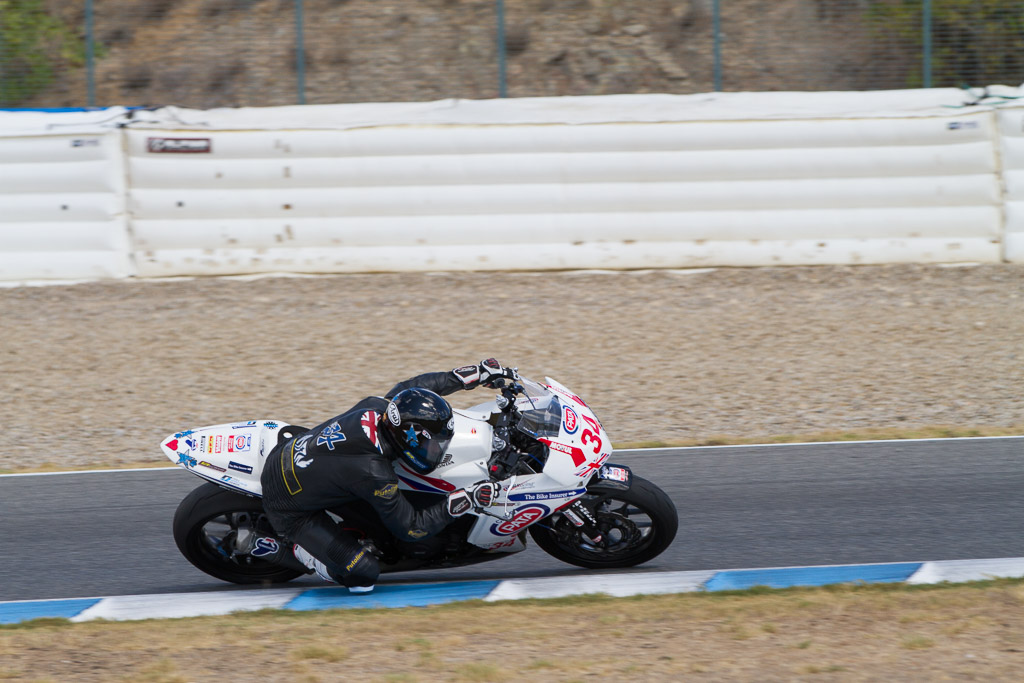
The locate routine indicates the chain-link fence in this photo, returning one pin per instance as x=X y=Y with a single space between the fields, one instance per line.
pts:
x=209 y=53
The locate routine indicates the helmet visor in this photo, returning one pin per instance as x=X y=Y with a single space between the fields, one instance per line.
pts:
x=424 y=451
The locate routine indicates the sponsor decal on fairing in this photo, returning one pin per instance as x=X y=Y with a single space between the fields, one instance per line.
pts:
x=219 y=448
x=577 y=455
x=239 y=442
x=570 y=422
x=232 y=465
x=521 y=518
x=613 y=473
x=203 y=463
x=243 y=425
x=546 y=495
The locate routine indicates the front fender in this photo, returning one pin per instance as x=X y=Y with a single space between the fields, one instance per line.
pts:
x=611 y=478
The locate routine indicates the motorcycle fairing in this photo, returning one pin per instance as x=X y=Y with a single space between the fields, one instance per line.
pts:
x=231 y=455
x=578 y=448
x=577 y=444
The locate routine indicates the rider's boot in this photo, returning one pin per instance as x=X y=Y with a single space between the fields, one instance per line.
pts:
x=310 y=562
x=303 y=556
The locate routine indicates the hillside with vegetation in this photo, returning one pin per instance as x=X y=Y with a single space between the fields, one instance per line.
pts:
x=210 y=53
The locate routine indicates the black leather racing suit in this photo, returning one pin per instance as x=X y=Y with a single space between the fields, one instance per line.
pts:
x=346 y=459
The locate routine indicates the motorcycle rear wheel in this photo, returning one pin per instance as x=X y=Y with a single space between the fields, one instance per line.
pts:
x=637 y=525
x=207 y=524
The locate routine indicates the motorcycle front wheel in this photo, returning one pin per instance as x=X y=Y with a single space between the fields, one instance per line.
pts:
x=636 y=525
x=215 y=529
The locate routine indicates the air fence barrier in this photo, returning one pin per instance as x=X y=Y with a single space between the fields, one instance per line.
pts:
x=617 y=182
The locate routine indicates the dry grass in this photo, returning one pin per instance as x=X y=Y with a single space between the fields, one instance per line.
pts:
x=881 y=632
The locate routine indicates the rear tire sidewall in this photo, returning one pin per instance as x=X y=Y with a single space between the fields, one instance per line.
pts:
x=195 y=510
x=642 y=494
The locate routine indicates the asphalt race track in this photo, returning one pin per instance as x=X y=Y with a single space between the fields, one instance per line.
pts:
x=103 y=533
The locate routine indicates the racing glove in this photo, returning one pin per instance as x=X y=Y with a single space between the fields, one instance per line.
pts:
x=483 y=493
x=459 y=503
x=485 y=373
x=479 y=495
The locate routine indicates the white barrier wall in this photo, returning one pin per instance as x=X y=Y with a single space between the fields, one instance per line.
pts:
x=561 y=196
x=733 y=179
x=62 y=210
x=1011 y=128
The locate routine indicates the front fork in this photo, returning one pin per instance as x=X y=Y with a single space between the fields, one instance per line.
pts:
x=607 y=478
x=583 y=519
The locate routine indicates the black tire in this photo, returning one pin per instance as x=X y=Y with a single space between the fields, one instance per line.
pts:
x=637 y=526
x=211 y=510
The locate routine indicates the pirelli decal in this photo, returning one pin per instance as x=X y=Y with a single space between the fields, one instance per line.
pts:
x=291 y=478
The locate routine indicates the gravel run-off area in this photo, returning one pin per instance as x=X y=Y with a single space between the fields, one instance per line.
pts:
x=98 y=373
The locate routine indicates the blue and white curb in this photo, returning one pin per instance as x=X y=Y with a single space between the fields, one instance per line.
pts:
x=177 y=605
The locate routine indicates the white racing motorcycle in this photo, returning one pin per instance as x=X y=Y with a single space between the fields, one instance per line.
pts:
x=540 y=442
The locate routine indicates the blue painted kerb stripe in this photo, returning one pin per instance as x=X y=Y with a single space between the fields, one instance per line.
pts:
x=392 y=596
x=13 y=612
x=811 y=576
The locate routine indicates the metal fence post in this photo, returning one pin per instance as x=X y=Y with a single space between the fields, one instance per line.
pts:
x=300 y=54
x=717 y=30
x=90 y=57
x=927 y=31
x=502 y=84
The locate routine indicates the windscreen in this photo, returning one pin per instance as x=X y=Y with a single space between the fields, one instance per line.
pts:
x=541 y=411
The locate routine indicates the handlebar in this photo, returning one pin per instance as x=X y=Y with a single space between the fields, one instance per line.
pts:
x=504 y=458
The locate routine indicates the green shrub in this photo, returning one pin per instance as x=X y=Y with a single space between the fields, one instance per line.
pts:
x=974 y=42
x=33 y=45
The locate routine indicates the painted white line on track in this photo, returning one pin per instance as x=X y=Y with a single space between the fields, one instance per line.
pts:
x=624 y=451
x=110 y=471
x=815 y=443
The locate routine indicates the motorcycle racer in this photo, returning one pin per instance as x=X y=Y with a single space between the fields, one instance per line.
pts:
x=349 y=458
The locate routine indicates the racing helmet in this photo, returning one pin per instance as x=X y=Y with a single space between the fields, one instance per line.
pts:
x=421 y=424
